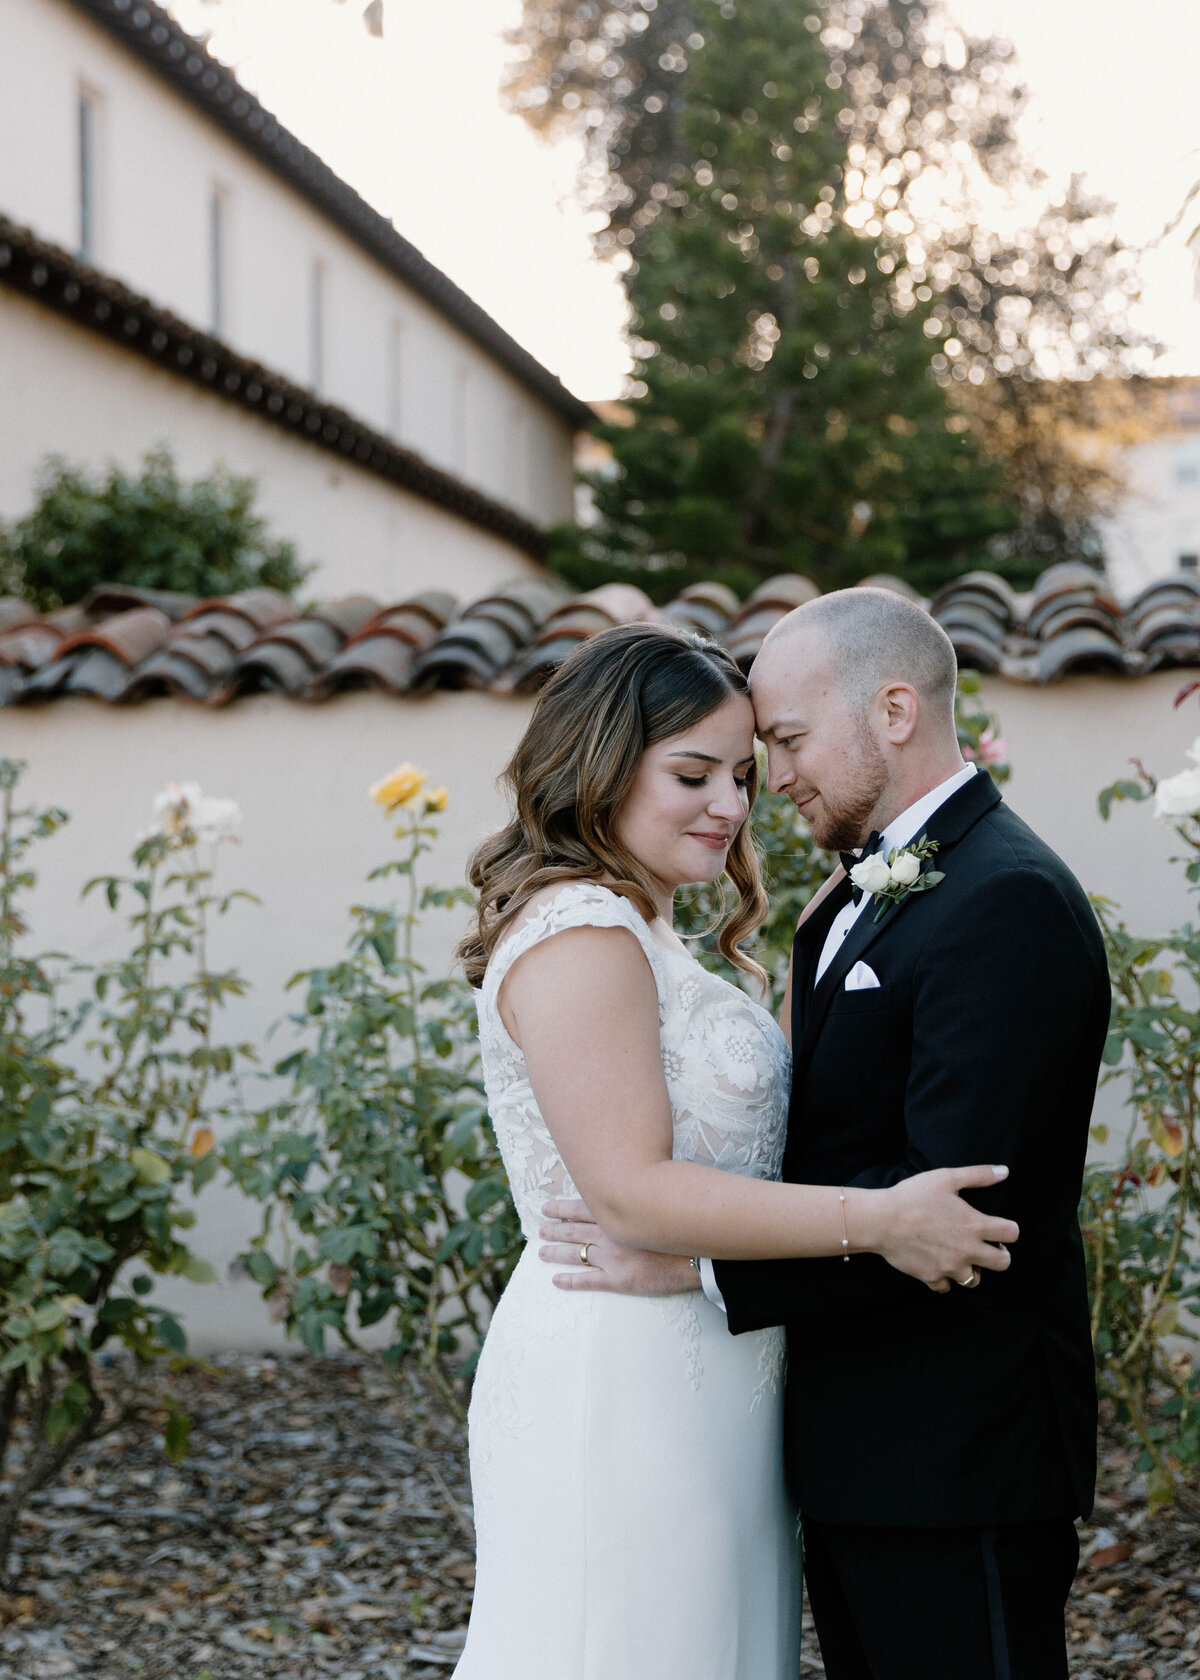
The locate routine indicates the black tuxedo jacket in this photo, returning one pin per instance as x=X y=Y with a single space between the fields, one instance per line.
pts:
x=981 y=1045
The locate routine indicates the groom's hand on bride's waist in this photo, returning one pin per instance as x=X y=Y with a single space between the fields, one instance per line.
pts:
x=568 y=1230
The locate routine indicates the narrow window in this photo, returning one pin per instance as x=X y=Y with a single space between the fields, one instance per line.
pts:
x=395 y=381
x=316 y=326
x=89 y=145
x=462 y=419
x=218 y=259
x=1189 y=562
x=518 y=458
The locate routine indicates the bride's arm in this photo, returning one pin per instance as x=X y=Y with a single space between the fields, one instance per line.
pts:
x=584 y=1009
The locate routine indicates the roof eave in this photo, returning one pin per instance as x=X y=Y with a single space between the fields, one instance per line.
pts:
x=166 y=48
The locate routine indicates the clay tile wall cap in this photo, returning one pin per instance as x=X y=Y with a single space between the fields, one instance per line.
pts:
x=109 y=598
x=314 y=639
x=718 y=595
x=976 y=586
x=538 y=597
x=237 y=632
x=129 y=636
x=896 y=585
x=32 y=646
x=974 y=651
x=1072 y=614
x=405 y=624
x=499 y=609
x=270 y=665
x=1083 y=649
x=383 y=662
x=698 y=615
x=624 y=603
x=347 y=615
x=264 y=608
x=788 y=590
x=967 y=615
x=579 y=620
x=14 y=611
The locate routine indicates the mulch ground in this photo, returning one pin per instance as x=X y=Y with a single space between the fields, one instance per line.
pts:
x=320 y=1526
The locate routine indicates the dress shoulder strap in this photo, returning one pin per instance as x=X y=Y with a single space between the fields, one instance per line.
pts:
x=575 y=904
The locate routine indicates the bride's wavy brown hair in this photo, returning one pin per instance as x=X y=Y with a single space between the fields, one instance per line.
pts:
x=618 y=694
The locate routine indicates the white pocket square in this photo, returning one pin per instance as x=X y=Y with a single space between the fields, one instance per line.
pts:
x=861 y=978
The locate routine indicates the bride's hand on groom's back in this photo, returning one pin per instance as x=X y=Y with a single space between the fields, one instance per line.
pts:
x=936 y=1236
x=568 y=1228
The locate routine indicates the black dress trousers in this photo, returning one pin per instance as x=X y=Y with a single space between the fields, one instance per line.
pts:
x=941 y=1603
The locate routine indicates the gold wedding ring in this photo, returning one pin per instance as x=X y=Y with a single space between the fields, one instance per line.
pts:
x=583 y=1259
x=969 y=1282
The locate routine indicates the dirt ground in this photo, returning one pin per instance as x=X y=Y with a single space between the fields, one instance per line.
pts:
x=320 y=1526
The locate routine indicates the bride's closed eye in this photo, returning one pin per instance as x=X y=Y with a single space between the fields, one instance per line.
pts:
x=699 y=781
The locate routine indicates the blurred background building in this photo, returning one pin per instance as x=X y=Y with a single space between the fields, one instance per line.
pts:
x=191 y=274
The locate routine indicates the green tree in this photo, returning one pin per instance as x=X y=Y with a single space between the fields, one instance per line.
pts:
x=788 y=417
x=150 y=530
x=1034 y=318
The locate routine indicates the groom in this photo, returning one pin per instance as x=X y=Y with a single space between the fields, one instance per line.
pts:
x=939 y=1445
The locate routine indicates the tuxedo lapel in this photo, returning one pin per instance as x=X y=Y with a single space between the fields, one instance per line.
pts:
x=948 y=824
x=806 y=951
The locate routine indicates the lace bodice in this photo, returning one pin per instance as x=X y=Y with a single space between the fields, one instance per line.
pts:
x=725 y=1060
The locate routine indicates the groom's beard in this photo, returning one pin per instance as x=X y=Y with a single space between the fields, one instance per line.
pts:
x=844 y=820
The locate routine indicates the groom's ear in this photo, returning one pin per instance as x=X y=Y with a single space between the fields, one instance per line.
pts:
x=900 y=707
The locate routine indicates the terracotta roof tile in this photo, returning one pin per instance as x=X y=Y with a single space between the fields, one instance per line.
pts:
x=131 y=645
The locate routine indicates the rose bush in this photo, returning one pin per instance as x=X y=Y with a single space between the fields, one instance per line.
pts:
x=110 y=1085
x=1142 y=1210
x=384 y=1198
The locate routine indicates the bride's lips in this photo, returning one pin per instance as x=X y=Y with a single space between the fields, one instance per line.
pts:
x=718 y=842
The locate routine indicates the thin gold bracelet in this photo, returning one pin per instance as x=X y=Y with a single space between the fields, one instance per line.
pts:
x=845 y=1233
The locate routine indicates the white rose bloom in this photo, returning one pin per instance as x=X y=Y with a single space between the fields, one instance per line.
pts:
x=905 y=869
x=215 y=820
x=173 y=806
x=1193 y=751
x=872 y=875
x=1178 y=796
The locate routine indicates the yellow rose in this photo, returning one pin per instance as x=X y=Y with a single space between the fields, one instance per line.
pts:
x=437 y=799
x=400 y=788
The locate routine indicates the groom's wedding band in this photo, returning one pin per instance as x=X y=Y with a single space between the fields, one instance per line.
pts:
x=583 y=1259
x=970 y=1282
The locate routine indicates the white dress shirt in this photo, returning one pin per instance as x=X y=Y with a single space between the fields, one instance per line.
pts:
x=907 y=826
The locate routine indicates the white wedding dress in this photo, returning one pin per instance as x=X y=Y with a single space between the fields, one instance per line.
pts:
x=626 y=1454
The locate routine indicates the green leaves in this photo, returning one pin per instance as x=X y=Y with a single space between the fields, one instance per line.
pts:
x=1141 y=1214
x=149 y=529
x=97 y=1100
x=379 y=1156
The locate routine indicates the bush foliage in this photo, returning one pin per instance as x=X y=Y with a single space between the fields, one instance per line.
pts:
x=148 y=530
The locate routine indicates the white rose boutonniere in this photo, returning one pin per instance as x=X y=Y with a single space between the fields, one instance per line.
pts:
x=892 y=878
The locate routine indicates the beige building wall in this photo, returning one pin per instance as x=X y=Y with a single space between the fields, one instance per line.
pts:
x=67 y=391
x=300 y=774
x=384 y=354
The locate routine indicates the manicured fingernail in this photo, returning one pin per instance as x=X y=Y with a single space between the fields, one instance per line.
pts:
x=1000 y=1172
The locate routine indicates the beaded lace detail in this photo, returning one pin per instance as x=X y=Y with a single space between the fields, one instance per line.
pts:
x=725 y=1060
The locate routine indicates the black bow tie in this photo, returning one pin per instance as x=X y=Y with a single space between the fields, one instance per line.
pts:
x=848 y=861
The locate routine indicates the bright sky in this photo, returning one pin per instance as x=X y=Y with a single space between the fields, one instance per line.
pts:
x=414 y=122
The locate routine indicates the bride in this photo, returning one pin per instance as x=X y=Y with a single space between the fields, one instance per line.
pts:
x=626 y=1453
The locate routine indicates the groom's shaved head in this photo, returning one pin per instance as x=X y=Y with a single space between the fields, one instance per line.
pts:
x=866 y=638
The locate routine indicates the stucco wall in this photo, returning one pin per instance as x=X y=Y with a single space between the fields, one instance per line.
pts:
x=158 y=163
x=300 y=774
x=67 y=391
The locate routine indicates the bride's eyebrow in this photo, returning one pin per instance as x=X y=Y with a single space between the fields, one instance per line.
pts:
x=707 y=758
